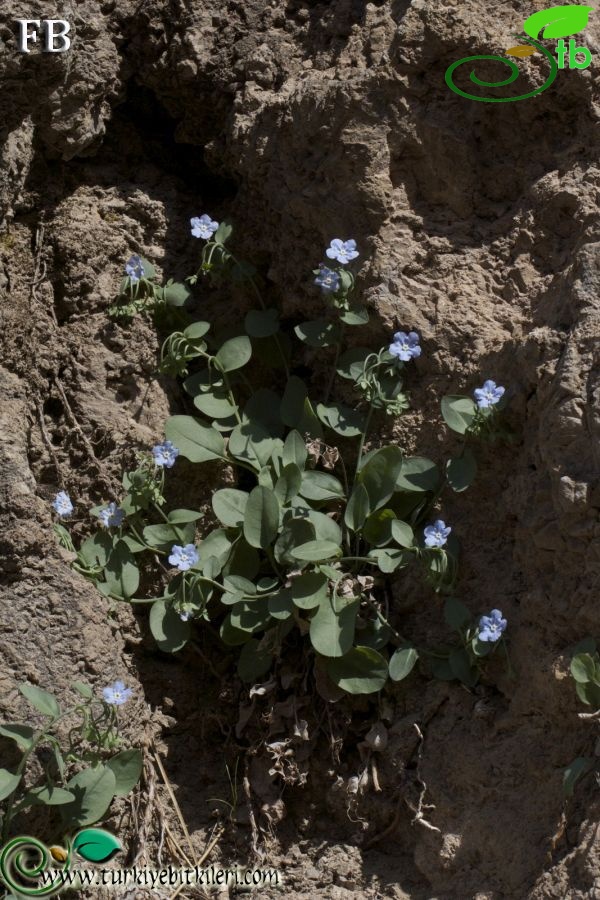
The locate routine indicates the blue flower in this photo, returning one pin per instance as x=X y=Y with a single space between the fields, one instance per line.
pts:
x=185 y=615
x=436 y=535
x=342 y=251
x=165 y=454
x=488 y=395
x=328 y=279
x=406 y=346
x=117 y=694
x=203 y=227
x=111 y=516
x=134 y=267
x=183 y=558
x=62 y=504
x=491 y=627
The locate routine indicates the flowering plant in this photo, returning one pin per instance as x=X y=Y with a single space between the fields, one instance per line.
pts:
x=307 y=536
x=82 y=775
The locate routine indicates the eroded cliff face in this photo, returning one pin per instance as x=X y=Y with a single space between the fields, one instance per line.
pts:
x=478 y=227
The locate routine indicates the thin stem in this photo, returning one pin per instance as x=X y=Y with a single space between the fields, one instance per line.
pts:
x=338 y=348
x=383 y=620
x=363 y=438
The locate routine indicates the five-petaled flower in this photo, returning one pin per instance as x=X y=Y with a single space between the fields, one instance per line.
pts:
x=62 y=504
x=436 y=535
x=203 y=227
x=165 y=454
x=134 y=267
x=117 y=694
x=328 y=279
x=405 y=346
x=488 y=395
x=491 y=627
x=342 y=251
x=183 y=558
x=111 y=516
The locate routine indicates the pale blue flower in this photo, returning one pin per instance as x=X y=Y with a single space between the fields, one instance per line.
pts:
x=436 y=535
x=62 y=504
x=117 y=694
x=203 y=227
x=491 y=627
x=165 y=454
x=342 y=251
x=328 y=279
x=134 y=267
x=183 y=558
x=185 y=615
x=405 y=346
x=488 y=395
x=111 y=516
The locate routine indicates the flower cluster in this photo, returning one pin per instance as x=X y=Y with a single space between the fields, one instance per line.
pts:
x=492 y=627
x=62 y=504
x=203 y=227
x=330 y=280
x=116 y=694
x=436 y=535
x=165 y=454
x=183 y=558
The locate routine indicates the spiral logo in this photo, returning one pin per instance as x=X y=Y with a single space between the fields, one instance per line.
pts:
x=514 y=74
x=23 y=861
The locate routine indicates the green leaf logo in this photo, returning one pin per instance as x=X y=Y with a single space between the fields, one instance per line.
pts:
x=96 y=845
x=557 y=22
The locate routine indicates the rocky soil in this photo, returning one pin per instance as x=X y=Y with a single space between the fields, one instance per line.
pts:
x=478 y=228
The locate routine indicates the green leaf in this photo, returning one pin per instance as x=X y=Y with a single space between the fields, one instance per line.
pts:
x=231 y=636
x=456 y=614
x=22 y=735
x=458 y=413
x=318 y=333
x=418 y=474
x=320 y=486
x=234 y=354
x=377 y=529
x=402 y=663
x=262 y=323
x=461 y=471
x=341 y=419
x=94 y=789
x=294 y=450
x=288 y=484
x=263 y=408
x=168 y=630
x=48 y=795
x=252 y=443
x=250 y=616
x=83 y=689
x=379 y=475
x=361 y=671
x=261 y=518
x=183 y=516
x=588 y=693
x=254 y=661
x=215 y=404
x=574 y=771
x=281 y=605
x=96 y=549
x=176 y=294
x=317 y=551
x=223 y=233
x=332 y=630
x=357 y=509
x=96 y=845
x=557 y=21
x=121 y=572
x=292 y=402
x=390 y=559
x=309 y=590
x=296 y=531
x=462 y=669
x=8 y=783
x=351 y=363
x=196 y=330
x=162 y=537
x=326 y=529
x=402 y=533
x=229 y=506
x=356 y=315
x=583 y=668
x=127 y=767
x=43 y=701
x=195 y=441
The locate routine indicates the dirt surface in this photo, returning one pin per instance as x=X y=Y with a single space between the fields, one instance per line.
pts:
x=478 y=228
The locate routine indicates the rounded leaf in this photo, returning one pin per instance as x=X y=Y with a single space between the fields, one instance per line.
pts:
x=361 y=671
x=402 y=663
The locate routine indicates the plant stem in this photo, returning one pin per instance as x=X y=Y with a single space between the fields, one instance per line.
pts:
x=363 y=438
x=338 y=348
